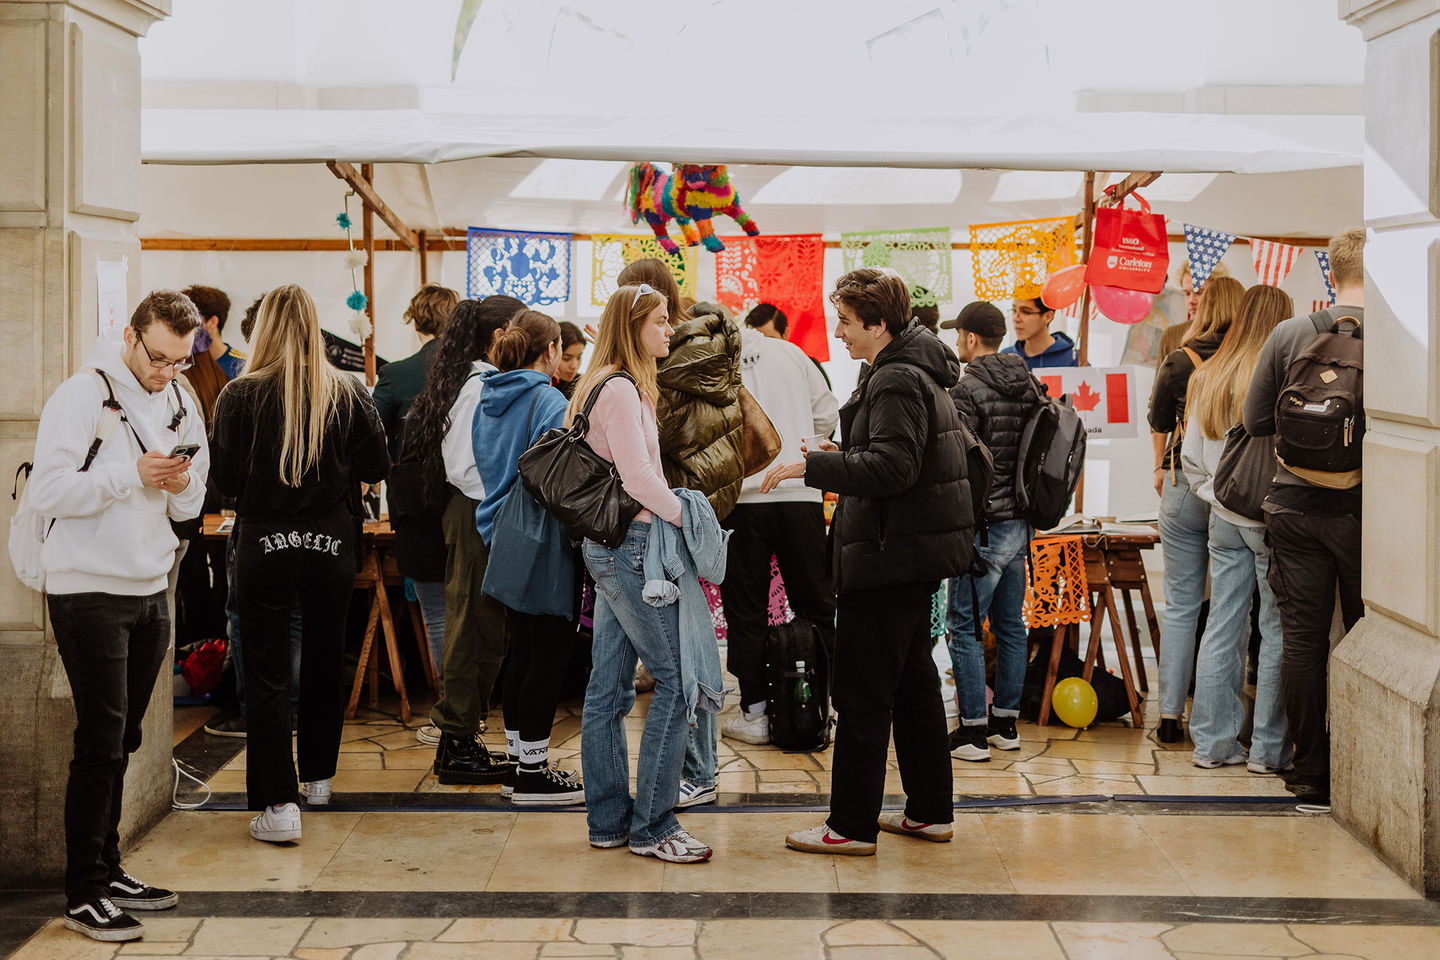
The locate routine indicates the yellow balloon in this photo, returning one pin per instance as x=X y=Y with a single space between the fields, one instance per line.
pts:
x=1075 y=702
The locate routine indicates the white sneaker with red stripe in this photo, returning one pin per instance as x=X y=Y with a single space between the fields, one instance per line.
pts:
x=822 y=839
x=895 y=821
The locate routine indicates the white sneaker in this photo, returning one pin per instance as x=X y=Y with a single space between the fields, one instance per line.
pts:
x=895 y=821
x=1207 y=763
x=316 y=792
x=1256 y=766
x=747 y=728
x=428 y=735
x=277 y=823
x=822 y=839
x=679 y=847
x=693 y=794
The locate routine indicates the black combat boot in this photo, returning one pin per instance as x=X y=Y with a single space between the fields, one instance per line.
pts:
x=465 y=760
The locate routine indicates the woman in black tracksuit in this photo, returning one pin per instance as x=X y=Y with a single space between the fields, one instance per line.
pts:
x=293 y=437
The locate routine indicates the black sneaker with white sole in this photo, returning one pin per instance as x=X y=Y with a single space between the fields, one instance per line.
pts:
x=99 y=919
x=132 y=894
x=1000 y=732
x=546 y=787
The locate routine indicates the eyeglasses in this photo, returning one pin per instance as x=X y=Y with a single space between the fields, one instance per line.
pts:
x=640 y=291
x=161 y=363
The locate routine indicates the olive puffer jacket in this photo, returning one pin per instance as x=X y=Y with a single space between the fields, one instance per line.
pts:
x=904 y=514
x=701 y=430
x=995 y=398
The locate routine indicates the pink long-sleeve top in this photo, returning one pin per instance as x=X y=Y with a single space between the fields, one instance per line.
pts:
x=624 y=430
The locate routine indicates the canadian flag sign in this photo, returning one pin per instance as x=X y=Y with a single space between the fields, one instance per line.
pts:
x=1103 y=396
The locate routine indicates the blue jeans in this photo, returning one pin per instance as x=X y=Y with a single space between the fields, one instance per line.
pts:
x=1001 y=594
x=430 y=594
x=626 y=627
x=1184 y=533
x=700 y=763
x=1239 y=562
x=232 y=634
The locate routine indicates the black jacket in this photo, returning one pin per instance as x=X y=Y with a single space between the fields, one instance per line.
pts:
x=396 y=387
x=995 y=397
x=1167 y=397
x=904 y=514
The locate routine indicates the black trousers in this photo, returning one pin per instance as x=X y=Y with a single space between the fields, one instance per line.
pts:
x=884 y=671
x=1309 y=556
x=535 y=667
x=279 y=564
x=793 y=533
x=112 y=648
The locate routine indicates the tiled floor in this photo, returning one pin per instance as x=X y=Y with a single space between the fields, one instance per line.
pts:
x=1186 y=864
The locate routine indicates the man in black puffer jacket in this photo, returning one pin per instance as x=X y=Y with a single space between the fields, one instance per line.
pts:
x=903 y=523
x=994 y=398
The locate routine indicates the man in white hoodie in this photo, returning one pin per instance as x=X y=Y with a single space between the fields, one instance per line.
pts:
x=106 y=559
x=787 y=523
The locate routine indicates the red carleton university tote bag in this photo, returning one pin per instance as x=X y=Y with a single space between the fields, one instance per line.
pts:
x=1131 y=251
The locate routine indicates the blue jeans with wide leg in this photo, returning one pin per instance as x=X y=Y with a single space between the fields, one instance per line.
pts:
x=1184 y=535
x=626 y=627
x=1239 y=562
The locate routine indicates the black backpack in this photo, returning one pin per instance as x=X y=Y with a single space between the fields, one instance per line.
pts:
x=979 y=472
x=1050 y=457
x=797 y=670
x=1320 y=411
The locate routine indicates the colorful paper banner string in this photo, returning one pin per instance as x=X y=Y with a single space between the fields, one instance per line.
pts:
x=531 y=267
x=921 y=256
x=1013 y=259
x=1205 y=247
x=613 y=252
x=787 y=271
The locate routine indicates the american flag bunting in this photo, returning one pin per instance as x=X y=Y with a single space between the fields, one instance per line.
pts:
x=1324 y=257
x=1205 y=247
x=1272 y=260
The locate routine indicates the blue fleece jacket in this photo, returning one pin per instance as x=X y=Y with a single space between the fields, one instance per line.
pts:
x=498 y=433
x=1061 y=353
x=676 y=559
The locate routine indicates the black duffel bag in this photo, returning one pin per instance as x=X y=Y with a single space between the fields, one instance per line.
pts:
x=575 y=484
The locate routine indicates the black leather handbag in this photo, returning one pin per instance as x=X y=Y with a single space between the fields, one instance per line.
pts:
x=1246 y=473
x=575 y=484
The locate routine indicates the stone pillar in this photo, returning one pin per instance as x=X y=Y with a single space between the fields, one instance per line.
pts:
x=69 y=194
x=1385 y=675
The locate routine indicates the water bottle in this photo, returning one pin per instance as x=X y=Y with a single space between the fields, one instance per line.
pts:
x=802 y=683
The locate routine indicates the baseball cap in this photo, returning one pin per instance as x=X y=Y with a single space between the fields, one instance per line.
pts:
x=979 y=317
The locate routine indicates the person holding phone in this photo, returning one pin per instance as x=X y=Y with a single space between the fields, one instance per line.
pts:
x=292 y=437
x=106 y=559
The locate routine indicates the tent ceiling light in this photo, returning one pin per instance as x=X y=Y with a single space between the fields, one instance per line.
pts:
x=1019 y=185
x=568 y=180
x=828 y=186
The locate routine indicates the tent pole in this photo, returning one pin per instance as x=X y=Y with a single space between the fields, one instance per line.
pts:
x=424 y=260
x=1085 y=242
x=367 y=221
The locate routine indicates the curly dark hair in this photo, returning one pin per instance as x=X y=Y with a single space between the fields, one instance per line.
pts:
x=466 y=339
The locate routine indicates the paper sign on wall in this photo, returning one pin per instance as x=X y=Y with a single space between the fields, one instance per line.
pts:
x=1103 y=396
x=110 y=276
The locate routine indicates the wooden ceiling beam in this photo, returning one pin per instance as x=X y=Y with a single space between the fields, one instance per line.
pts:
x=350 y=175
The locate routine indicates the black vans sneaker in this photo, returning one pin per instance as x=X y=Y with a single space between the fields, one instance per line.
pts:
x=99 y=919
x=546 y=787
x=132 y=894
x=968 y=743
x=1000 y=732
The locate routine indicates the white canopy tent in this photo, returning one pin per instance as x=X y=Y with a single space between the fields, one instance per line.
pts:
x=833 y=116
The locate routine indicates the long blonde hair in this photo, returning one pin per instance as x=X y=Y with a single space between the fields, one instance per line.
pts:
x=289 y=351
x=618 y=346
x=1216 y=310
x=1217 y=390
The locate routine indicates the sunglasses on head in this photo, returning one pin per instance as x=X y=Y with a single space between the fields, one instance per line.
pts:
x=640 y=291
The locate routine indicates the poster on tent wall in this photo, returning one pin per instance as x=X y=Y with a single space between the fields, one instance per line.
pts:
x=921 y=256
x=534 y=268
x=110 y=282
x=1013 y=259
x=612 y=252
x=787 y=271
x=1103 y=396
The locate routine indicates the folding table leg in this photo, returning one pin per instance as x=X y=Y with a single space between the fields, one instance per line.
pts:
x=1136 y=710
x=362 y=665
x=1057 y=643
x=1135 y=639
x=392 y=651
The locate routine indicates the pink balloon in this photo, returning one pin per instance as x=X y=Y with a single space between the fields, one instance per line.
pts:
x=1122 y=306
x=1064 y=287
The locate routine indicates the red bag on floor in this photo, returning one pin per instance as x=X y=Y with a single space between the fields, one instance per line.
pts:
x=202 y=668
x=1130 y=250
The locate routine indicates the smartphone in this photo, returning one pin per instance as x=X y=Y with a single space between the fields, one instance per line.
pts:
x=185 y=450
